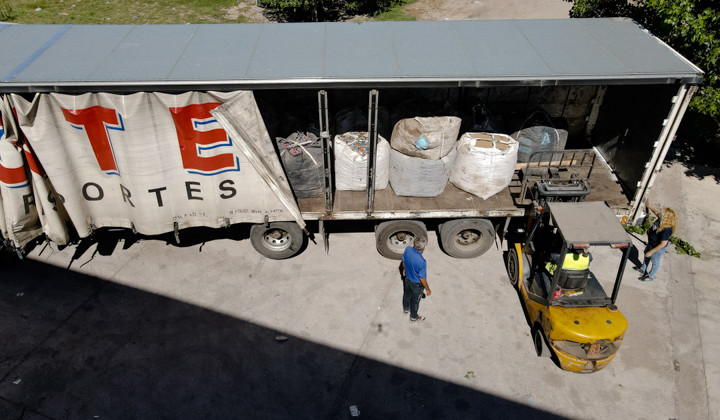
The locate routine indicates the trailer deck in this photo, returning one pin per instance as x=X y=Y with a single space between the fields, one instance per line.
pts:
x=454 y=202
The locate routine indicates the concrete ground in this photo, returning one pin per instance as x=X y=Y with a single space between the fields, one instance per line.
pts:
x=141 y=328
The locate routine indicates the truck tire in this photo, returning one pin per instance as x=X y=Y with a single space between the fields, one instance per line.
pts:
x=391 y=238
x=541 y=347
x=279 y=240
x=466 y=238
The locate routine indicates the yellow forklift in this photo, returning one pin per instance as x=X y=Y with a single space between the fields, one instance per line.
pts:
x=571 y=316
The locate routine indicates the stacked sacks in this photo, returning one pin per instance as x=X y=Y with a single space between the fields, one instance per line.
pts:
x=423 y=155
x=351 y=161
x=302 y=158
x=485 y=163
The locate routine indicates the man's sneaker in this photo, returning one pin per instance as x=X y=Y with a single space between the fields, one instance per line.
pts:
x=418 y=319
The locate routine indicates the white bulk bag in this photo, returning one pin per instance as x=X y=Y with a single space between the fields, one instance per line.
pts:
x=351 y=161
x=417 y=177
x=426 y=137
x=485 y=163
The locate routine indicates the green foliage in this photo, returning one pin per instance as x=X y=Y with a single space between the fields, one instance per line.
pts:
x=692 y=27
x=191 y=11
x=639 y=229
x=393 y=15
x=7 y=14
x=326 y=10
x=607 y=8
x=123 y=11
x=681 y=247
x=294 y=10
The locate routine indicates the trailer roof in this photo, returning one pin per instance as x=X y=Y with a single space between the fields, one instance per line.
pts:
x=338 y=54
x=587 y=222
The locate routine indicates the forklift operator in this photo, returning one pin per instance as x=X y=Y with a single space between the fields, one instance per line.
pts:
x=577 y=259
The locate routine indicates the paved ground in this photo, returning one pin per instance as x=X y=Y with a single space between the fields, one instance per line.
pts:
x=211 y=329
x=694 y=301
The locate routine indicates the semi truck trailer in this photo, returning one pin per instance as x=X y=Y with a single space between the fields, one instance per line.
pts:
x=159 y=128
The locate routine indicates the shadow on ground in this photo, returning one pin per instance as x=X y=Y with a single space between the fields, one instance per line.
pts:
x=76 y=346
x=697 y=147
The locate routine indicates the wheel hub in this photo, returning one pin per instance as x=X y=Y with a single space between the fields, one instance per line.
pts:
x=467 y=237
x=401 y=240
x=277 y=239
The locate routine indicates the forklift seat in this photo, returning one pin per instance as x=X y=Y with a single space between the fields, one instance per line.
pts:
x=573 y=279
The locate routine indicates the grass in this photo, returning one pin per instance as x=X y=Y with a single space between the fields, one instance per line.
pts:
x=396 y=13
x=121 y=11
x=139 y=12
x=393 y=15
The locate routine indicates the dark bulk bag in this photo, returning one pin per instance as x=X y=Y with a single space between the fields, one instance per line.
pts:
x=302 y=158
x=418 y=177
x=539 y=135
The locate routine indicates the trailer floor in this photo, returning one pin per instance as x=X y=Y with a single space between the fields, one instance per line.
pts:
x=454 y=202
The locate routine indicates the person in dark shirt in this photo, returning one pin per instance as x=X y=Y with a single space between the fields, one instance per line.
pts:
x=658 y=241
x=414 y=269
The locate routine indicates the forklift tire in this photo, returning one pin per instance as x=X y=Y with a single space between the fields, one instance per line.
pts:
x=277 y=241
x=391 y=238
x=513 y=265
x=541 y=347
x=466 y=238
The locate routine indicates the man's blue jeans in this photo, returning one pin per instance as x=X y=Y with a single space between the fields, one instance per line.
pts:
x=654 y=260
x=411 y=297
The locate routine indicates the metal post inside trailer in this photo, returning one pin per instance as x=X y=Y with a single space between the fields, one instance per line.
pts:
x=595 y=111
x=372 y=148
x=326 y=145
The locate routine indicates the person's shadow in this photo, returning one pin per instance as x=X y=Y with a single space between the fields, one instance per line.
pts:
x=635 y=256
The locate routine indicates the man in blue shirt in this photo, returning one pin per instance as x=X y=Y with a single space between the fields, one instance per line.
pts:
x=415 y=278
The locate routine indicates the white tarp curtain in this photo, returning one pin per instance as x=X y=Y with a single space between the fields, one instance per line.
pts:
x=20 y=221
x=234 y=116
x=144 y=161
